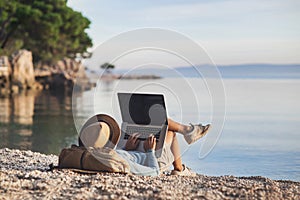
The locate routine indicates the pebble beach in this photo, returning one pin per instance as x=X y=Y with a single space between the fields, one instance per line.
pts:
x=25 y=175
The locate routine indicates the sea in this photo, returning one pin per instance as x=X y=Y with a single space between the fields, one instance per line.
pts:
x=255 y=120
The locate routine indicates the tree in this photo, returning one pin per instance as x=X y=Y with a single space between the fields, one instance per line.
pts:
x=107 y=67
x=48 y=28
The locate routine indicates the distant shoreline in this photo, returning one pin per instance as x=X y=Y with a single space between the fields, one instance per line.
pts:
x=246 y=71
x=129 y=77
x=24 y=175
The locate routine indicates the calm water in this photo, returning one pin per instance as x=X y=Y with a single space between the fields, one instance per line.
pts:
x=260 y=135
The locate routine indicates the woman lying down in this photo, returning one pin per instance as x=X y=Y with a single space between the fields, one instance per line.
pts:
x=143 y=163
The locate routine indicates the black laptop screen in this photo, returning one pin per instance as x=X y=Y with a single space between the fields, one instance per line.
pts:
x=143 y=109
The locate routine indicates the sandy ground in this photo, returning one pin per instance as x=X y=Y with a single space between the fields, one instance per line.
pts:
x=24 y=175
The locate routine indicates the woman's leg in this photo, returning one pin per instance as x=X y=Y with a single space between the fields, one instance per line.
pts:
x=177 y=127
x=191 y=133
x=172 y=139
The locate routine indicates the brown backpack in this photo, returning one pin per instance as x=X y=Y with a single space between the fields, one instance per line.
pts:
x=92 y=159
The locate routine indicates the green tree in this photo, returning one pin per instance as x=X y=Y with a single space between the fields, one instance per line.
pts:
x=107 y=67
x=48 y=28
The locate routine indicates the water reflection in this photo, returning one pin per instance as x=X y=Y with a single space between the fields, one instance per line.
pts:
x=5 y=110
x=106 y=84
x=40 y=121
x=22 y=108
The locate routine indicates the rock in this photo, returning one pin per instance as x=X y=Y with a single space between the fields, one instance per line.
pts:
x=19 y=73
x=5 y=71
x=66 y=74
x=22 y=70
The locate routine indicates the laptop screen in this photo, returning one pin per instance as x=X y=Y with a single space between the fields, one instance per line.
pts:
x=143 y=109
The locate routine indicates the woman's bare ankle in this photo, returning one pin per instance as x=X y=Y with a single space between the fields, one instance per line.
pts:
x=178 y=168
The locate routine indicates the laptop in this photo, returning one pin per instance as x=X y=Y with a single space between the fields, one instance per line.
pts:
x=144 y=114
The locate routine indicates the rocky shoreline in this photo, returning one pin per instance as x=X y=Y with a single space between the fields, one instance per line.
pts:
x=18 y=72
x=24 y=175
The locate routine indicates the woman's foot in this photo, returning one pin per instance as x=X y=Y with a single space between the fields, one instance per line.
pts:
x=184 y=172
x=197 y=132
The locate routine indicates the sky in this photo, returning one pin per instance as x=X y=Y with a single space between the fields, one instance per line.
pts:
x=231 y=31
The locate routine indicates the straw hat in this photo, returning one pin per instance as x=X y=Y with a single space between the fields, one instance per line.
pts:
x=99 y=131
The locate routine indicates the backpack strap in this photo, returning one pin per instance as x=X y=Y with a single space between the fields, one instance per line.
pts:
x=81 y=159
x=52 y=167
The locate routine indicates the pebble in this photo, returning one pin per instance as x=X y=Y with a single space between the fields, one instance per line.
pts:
x=24 y=174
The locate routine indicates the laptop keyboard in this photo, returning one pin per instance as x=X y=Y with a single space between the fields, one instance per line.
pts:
x=143 y=131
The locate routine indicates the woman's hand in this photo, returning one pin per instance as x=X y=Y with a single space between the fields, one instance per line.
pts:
x=132 y=142
x=150 y=143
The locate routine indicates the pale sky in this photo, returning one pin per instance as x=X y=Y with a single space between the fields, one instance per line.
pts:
x=231 y=31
